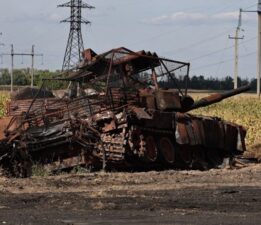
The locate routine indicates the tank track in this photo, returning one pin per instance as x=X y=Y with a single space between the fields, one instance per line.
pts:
x=114 y=146
x=191 y=157
x=144 y=144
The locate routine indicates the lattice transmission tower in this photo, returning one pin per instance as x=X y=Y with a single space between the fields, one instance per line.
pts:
x=74 y=46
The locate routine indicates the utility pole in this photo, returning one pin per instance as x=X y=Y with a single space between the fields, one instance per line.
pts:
x=1 y=44
x=237 y=38
x=75 y=46
x=32 y=68
x=258 y=46
x=12 y=67
x=12 y=54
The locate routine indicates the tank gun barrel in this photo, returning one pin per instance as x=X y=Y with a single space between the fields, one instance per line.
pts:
x=218 y=97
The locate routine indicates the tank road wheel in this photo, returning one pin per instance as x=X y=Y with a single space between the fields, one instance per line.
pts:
x=167 y=149
x=151 y=153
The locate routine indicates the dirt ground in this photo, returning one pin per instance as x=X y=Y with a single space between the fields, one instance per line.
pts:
x=169 y=197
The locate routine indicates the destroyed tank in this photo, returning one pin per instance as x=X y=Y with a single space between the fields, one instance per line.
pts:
x=122 y=110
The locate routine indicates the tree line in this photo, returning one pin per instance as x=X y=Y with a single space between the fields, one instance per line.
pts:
x=22 y=77
x=209 y=83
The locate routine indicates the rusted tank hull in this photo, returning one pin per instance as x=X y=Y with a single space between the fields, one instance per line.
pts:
x=118 y=113
x=179 y=140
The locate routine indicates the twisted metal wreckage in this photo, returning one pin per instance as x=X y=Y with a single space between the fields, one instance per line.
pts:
x=118 y=113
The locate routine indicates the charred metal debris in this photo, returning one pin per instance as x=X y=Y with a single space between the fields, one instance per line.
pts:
x=116 y=114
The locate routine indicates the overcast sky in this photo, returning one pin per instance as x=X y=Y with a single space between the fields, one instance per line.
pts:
x=194 y=31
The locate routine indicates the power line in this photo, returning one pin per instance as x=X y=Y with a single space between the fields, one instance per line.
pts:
x=203 y=41
x=220 y=50
x=248 y=7
x=200 y=42
x=223 y=61
x=182 y=27
x=220 y=58
x=221 y=10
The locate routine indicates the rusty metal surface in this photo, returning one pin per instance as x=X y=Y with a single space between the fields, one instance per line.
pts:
x=209 y=132
x=128 y=120
x=167 y=100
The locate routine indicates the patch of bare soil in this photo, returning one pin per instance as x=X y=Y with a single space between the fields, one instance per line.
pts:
x=169 y=197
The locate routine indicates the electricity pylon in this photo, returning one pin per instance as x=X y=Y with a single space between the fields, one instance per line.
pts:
x=74 y=46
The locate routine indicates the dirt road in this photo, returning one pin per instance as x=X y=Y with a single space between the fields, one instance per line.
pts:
x=171 y=197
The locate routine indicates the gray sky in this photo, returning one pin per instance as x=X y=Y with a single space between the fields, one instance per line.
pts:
x=194 y=31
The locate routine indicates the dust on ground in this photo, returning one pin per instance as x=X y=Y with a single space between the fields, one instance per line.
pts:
x=167 y=197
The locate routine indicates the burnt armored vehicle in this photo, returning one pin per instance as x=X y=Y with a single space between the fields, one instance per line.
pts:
x=122 y=109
